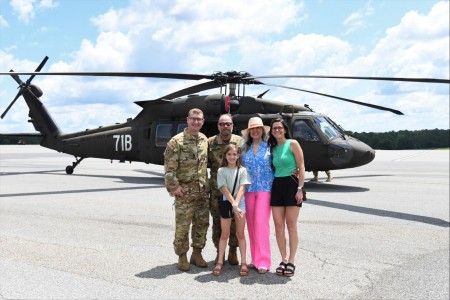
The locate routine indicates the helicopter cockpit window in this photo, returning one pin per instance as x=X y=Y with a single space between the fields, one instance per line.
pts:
x=163 y=134
x=181 y=127
x=326 y=127
x=303 y=131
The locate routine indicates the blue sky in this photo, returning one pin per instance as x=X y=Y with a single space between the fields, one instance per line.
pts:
x=363 y=38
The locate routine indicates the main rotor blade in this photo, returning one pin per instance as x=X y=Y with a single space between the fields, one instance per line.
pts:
x=41 y=65
x=192 y=90
x=340 y=98
x=187 y=91
x=430 y=80
x=119 y=74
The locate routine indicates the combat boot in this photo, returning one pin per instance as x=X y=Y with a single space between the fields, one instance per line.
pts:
x=232 y=256
x=197 y=259
x=183 y=264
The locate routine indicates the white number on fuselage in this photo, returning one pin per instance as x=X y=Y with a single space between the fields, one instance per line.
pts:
x=123 y=142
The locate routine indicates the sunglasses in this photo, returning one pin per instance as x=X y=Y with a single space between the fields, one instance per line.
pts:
x=225 y=124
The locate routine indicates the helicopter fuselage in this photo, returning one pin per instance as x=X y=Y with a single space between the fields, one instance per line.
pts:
x=325 y=145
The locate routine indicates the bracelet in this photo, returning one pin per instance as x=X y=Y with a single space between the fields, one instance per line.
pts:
x=300 y=187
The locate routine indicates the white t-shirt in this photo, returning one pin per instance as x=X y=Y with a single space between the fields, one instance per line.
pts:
x=227 y=176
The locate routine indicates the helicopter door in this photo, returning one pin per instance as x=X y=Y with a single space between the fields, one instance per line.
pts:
x=307 y=135
x=161 y=134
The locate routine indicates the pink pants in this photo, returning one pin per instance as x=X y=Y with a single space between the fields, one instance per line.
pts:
x=258 y=214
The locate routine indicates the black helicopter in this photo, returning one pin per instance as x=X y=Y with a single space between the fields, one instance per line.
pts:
x=325 y=144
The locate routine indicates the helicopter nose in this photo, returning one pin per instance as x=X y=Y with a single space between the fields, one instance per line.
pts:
x=350 y=153
x=362 y=153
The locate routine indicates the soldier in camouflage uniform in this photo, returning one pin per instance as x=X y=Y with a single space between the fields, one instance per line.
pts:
x=216 y=146
x=186 y=178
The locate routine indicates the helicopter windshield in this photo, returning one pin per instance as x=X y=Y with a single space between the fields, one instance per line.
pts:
x=327 y=128
x=303 y=131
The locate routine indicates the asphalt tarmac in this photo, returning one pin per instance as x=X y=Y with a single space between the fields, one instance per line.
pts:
x=380 y=231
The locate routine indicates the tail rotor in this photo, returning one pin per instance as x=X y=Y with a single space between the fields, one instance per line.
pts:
x=23 y=85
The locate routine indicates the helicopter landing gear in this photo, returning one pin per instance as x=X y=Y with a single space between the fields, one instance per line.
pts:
x=69 y=169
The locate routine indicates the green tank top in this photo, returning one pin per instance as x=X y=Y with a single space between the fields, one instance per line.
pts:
x=284 y=160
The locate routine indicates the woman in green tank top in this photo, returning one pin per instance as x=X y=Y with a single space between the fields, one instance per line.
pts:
x=287 y=195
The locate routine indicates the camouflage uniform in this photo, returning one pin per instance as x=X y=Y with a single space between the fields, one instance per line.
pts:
x=185 y=165
x=216 y=146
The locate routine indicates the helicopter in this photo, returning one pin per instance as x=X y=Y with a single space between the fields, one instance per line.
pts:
x=325 y=144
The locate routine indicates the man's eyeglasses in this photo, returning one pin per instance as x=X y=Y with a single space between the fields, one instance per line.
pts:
x=196 y=119
x=277 y=128
x=225 y=124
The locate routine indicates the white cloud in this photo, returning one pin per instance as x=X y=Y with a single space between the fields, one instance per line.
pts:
x=357 y=19
x=26 y=9
x=47 y=4
x=3 y=22
x=216 y=25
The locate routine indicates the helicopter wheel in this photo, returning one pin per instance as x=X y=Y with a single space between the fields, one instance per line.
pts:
x=69 y=170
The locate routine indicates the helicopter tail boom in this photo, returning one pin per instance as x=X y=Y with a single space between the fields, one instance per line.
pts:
x=39 y=116
x=41 y=119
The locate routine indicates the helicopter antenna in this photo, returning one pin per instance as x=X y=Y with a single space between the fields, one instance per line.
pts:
x=307 y=106
x=262 y=94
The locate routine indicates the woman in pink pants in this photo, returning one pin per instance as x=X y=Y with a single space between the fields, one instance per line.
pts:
x=257 y=160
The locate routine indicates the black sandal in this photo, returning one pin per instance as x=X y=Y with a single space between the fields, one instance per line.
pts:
x=290 y=270
x=281 y=268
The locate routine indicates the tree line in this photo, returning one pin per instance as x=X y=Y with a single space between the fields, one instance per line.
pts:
x=393 y=140
x=405 y=139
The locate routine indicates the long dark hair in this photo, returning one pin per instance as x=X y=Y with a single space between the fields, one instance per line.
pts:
x=272 y=141
x=228 y=148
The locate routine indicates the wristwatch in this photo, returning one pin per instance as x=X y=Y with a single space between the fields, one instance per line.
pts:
x=300 y=187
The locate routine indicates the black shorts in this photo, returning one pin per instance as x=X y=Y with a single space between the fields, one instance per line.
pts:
x=284 y=190
x=226 y=209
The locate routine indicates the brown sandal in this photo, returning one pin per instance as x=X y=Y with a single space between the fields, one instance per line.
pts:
x=243 y=270
x=217 y=269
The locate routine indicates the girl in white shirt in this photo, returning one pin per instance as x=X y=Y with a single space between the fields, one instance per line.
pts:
x=232 y=178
